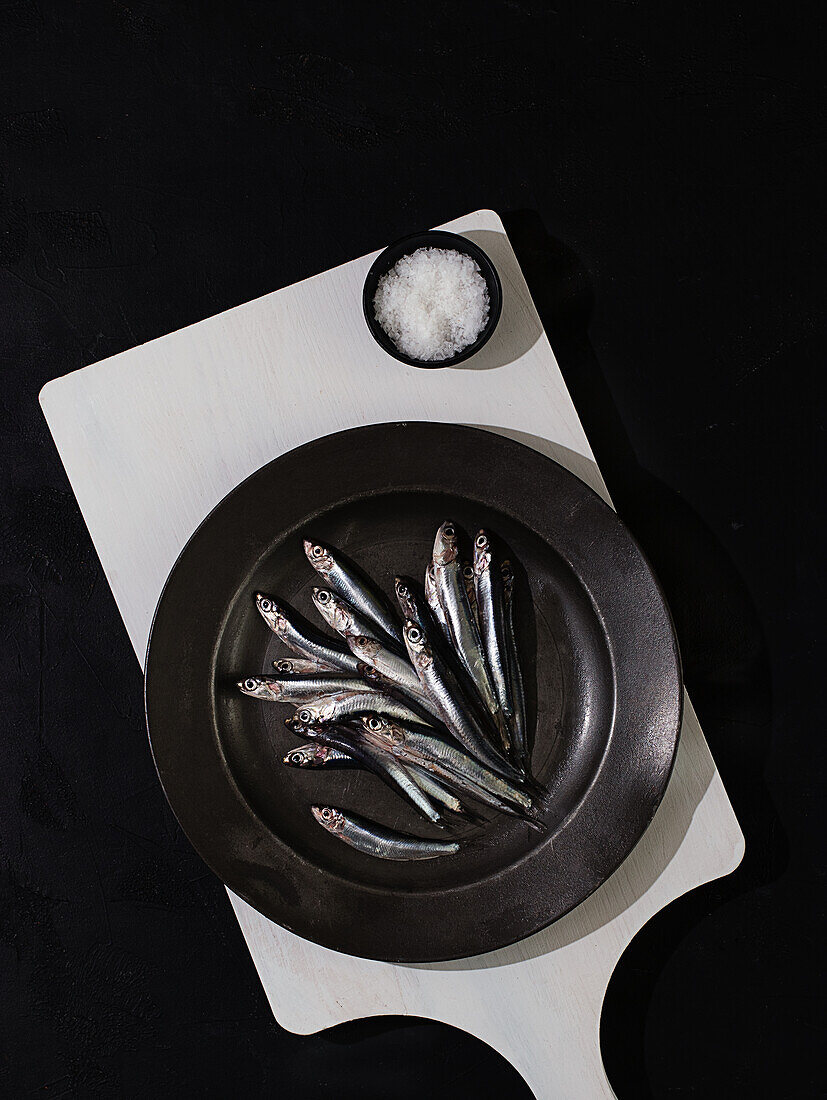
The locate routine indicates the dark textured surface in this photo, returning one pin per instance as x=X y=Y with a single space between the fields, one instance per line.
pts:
x=598 y=654
x=658 y=169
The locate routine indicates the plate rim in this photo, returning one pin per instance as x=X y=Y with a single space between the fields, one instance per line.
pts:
x=672 y=735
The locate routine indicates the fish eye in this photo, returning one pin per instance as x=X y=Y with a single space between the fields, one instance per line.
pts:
x=468 y=571
x=283 y=666
x=250 y=685
x=327 y=813
x=304 y=716
x=414 y=634
x=318 y=551
x=265 y=605
x=482 y=541
x=449 y=532
x=375 y=724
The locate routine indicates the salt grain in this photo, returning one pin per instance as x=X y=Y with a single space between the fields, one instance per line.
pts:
x=432 y=303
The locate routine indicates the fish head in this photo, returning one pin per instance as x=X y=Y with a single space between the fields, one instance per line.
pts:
x=372 y=675
x=314 y=713
x=418 y=649
x=445 y=544
x=301 y=729
x=297 y=666
x=305 y=756
x=326 y=604
x=364 y=648
x=319 y=557
x=329 y=818
x=381 y=731
x=315 y=731
x=272 y=614
x=259 y=688
x=405 y=595
x=482 y=554
x=307 y=714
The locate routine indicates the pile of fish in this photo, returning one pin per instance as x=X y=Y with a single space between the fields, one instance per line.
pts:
x=434 y=705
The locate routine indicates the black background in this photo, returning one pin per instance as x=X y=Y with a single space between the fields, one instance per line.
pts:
x=657 y=167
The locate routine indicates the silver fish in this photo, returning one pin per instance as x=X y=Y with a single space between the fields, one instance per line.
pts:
x=432 y=596
x=288 y=689
x=470 y=589
x=366 y=836
x=354 y=589
x=386 y=766
x=411 y=602
x=315 y=755
x=341 y=617
x=419 y=611
x=491 y=611
x=341 y=705
x=445 y=761
x=462 y=625
x=394 y=668
x=303 y=640
x=319 y=756
x=445 y=692
x=519 y=727
x=299 y=666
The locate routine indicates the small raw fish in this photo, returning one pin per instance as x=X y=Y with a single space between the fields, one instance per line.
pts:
x=324 y=756
x=344 y=619
x=446 y=762
x=462 y=625
x=298 y=689
x=314 y=756
x=413 y=605
x=491 y=614
x=394 y=668
x=519 y=727
x=342 y=705
x=304 y=640
x=419 y=611
x=319 y=756
x=355 y=589
x=377 y=681
x=445 y=692
x=432 y=596
x=387 y=767
x=366 y=836
x=470 y=589
x=416 y=607
x=299 y=666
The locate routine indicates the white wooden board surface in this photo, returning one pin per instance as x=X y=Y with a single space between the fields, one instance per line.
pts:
x=153 y=438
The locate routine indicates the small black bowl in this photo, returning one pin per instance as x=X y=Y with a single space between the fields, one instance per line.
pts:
x=404 y=247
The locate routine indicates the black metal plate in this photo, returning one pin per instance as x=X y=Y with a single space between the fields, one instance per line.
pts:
x=599 y=655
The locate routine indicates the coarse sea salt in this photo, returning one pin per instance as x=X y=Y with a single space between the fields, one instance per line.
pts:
x=432 y=303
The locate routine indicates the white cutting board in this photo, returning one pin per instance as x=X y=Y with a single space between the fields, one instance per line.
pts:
x=153 y=438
